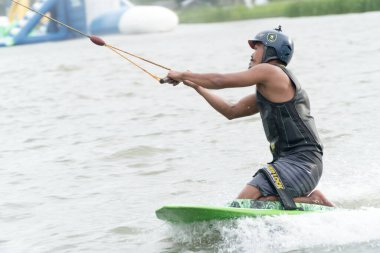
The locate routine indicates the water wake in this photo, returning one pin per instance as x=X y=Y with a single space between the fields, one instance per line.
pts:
x=317 y=232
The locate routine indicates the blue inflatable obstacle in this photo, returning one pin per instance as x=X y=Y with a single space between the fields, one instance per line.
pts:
x=33 y=28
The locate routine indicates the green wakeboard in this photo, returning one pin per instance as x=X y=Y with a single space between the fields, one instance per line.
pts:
x=236 y=209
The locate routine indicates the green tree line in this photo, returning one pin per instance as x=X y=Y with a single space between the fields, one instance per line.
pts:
x=285 y=8
x=213 y=11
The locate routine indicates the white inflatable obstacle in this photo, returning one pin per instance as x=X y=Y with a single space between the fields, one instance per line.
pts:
x=114 y=16
x=148 y=19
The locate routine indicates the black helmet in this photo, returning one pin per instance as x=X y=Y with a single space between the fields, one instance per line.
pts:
x=277 y=46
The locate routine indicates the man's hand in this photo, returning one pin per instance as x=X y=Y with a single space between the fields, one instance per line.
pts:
x=169 y=81
x=176 y=75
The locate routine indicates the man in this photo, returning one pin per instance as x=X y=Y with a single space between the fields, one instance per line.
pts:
x=285 y=111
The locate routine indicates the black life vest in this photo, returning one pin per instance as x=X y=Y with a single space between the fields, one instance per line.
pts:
x=288 y=126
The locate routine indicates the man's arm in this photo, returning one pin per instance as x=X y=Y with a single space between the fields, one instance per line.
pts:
x=255 y=75
x=245 y=107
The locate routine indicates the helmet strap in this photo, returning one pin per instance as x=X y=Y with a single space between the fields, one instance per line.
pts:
x=263 y=59
x=269 y=54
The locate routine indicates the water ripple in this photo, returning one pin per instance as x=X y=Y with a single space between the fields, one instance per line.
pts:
x=138 y=152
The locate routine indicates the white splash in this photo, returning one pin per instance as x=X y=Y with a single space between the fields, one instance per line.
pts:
x=283 y=233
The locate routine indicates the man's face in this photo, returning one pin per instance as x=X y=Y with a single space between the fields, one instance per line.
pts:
x=257 y=54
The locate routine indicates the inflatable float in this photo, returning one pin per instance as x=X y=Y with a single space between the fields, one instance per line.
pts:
x=23 y=26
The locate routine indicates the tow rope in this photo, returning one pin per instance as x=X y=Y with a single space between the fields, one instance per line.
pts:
x=100 y=42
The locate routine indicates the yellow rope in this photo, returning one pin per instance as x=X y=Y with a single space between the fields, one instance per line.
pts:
x=141 y=58
x=98 y=41
x=146 y=71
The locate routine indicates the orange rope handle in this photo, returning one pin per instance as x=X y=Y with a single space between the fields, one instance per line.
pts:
x=139 y=57
x=146 y=71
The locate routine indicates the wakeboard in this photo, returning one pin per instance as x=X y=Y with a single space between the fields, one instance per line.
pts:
x=236 y=209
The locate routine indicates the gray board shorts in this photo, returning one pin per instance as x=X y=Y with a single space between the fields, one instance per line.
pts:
x=300 y=173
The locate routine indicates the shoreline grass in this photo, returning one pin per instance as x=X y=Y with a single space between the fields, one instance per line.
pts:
x=291 y=8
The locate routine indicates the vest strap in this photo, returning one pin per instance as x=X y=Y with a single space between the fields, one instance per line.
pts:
x=286 y=200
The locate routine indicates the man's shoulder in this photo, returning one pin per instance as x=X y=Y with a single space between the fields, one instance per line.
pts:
x=272 y=73
x=269 y=68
